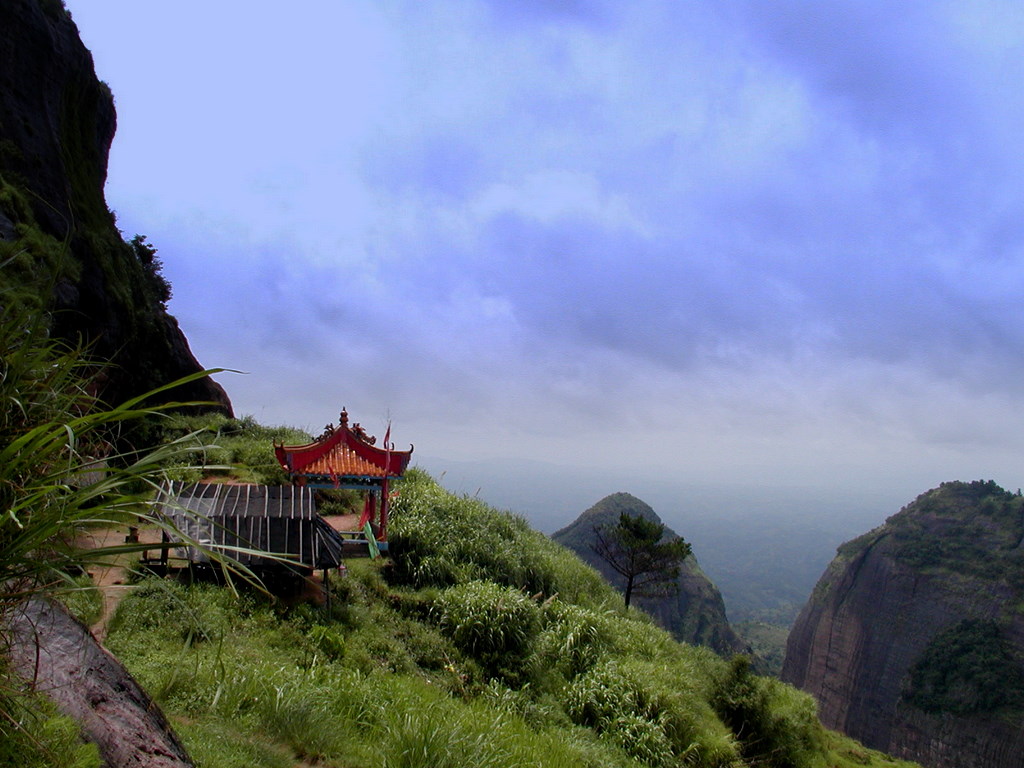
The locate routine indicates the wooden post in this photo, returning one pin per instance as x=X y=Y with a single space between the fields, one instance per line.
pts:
x=327 y=592
x=383 y=535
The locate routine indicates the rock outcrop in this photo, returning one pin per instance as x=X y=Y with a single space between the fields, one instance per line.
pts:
x=58 y=239
x=60 y=657
x=913 y=640
x=696 y=614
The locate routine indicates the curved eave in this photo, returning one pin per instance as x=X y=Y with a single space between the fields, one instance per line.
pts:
x=296 y=458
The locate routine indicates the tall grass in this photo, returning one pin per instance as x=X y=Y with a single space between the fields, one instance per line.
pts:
x=35 y=735
x=53 y=433
x=439 y=539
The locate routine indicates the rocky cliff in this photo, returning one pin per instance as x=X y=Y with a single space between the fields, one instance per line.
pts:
x=913 y=640
x=696 y=614
x=60 y=250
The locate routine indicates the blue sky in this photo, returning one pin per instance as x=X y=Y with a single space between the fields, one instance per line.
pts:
x=779 y=245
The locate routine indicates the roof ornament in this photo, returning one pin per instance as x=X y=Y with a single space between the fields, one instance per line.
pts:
x=359 y=432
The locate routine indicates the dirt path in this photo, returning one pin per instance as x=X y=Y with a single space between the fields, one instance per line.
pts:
x=111 y=578
x=343 y=522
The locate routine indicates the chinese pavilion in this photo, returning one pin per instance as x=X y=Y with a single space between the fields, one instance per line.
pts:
x=346 y=457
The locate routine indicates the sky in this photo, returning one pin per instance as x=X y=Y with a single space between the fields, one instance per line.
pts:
x=573 y=247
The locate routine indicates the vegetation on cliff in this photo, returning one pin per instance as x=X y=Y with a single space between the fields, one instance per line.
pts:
x=968 y=669
x=911 y=641
x=972 y=529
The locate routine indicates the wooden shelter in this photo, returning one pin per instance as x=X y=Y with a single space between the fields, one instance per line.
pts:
x=280 y=520
x=346 y=457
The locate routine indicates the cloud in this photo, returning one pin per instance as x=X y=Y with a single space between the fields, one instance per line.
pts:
x=778 y=236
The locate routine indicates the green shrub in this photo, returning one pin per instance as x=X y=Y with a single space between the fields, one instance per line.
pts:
x=777 y=726
x=614 y=696
x=573 y=638
x=329 y=640
x=641 y=739
x=493 y=624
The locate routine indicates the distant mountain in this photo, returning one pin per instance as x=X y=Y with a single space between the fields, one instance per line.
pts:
x=695 y=615
x=913 y=640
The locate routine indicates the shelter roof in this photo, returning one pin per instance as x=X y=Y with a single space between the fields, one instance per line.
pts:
x=245 y=520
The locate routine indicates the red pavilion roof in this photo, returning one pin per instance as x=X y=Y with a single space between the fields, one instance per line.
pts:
x=345 y=452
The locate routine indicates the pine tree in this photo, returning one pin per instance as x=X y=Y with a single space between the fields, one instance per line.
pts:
x=635 y=550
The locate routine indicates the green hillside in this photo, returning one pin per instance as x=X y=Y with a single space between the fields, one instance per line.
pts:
x=481 y=643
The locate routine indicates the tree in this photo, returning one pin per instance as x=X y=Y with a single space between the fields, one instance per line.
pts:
x=155 y=285
x=634 y=549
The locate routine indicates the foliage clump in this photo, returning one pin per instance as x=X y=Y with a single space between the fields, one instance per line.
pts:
x=242 y=449
x=494 y=625
x=967 y=669
x=441 y=540
x=777 y=726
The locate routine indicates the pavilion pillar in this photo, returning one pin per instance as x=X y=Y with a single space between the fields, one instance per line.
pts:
x=384 y=510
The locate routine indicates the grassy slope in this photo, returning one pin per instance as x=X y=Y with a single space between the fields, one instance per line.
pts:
x=484 y=644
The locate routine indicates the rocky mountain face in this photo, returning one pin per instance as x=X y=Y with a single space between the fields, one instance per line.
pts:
x=913 y=640
x=60 y=249
x=696 y=614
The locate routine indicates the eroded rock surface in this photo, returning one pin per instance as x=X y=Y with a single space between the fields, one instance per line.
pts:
x=87 y=683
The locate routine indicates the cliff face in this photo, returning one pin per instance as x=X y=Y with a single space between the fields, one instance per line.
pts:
x=696 y=614
x=59 y=246
x=913 y=640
